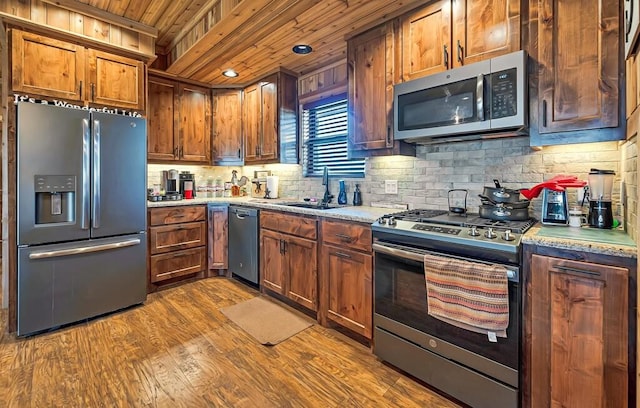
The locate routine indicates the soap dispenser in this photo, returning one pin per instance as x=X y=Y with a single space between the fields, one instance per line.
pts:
x=357 y=196
x=342 y=196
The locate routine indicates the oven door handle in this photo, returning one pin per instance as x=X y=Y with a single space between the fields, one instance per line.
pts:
x=399 y=253
x=512 y=273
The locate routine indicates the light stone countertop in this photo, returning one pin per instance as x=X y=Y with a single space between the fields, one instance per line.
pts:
x=364 y=214
x=606 y=242
x=599 y=241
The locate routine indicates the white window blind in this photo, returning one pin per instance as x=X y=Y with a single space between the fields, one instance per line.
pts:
x=324 y=136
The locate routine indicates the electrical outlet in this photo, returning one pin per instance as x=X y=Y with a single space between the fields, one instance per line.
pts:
x=391 y=186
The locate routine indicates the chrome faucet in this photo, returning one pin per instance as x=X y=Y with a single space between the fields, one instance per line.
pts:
x=325 y=182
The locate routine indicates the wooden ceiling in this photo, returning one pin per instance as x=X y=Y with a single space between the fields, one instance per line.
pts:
x=199 y=39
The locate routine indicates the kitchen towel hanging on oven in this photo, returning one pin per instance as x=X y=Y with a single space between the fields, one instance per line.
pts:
x=470 y=295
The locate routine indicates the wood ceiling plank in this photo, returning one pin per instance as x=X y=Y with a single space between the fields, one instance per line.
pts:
x=183 y=17
x=310 y=27
x=153 y=13
x=195 y=21
x=255 y=11
x=118 y=7
x=136 y=9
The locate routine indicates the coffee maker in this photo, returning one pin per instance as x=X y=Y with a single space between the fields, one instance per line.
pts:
x=187 y=184
x=170 y=181
x=600 y=207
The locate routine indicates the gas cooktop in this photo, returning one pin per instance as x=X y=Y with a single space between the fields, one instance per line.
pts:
x=440 y=225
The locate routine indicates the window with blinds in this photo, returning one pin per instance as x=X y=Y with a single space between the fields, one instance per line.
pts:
x=324 y=137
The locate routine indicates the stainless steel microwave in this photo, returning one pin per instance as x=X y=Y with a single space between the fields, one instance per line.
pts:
x=485 y=98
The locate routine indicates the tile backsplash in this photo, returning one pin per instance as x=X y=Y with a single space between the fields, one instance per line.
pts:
x=424 y=181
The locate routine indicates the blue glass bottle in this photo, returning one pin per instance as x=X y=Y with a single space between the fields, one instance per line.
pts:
x=342 y=196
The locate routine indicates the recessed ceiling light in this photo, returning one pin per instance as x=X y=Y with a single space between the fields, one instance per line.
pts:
x=229 y=73
x=302 y=49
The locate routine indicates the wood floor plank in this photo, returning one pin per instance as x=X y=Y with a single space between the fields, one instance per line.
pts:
x=179 y=350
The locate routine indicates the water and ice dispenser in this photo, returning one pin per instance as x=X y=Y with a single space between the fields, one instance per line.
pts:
x=55 y=199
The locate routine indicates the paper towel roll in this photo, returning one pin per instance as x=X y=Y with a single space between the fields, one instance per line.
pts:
x=272 y=186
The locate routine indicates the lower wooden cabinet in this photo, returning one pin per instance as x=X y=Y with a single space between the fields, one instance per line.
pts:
x=289 y=257
x=218 y=242
x=177 y=243
x=578 y=351
x=346 y=276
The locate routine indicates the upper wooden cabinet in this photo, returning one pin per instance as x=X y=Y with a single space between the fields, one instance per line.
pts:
x=577 y=334
x=577 y=61
x=179 y=127
x=227 y=127
x=371 y=63
x=447 y=34
x=270 y=120
x=58 y=69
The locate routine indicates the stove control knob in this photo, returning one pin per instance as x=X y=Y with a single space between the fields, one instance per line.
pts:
x=392 y=221
x=382 y=220
x=508 y=236
x=473 y=231
x=491 y=234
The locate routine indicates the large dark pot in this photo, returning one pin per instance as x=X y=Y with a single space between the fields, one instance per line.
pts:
x=504 y=212
x=515 y=204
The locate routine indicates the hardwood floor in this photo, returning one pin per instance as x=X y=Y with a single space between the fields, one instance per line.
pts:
x=179 y=350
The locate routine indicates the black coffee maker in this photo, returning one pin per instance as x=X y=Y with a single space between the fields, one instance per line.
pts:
x=600 y=207
x=189 y=180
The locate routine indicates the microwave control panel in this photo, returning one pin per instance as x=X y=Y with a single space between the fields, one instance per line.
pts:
x=504 y=101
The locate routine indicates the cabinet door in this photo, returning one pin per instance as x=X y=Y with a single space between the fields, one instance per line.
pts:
x=349 y=287
x=268 y=149
x=578 y=53
x=426 y=40
x=218 y=237
x=579 y=334
x=47 y=67
x=227 y=127
x=272 y=272
x=115 y=81
x=371 y=63
x=252 y=123
x=302 y=267
x=195 y=124
x=484 y=29
x=162 y=143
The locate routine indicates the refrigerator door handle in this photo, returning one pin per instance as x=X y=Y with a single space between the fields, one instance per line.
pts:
x=86 y=170
x=95 y=216
x=84 y=249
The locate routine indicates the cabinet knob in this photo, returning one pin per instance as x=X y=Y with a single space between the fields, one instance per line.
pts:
x=460 y=52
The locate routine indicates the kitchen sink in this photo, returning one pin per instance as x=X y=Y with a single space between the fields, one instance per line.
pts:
x=312 y=206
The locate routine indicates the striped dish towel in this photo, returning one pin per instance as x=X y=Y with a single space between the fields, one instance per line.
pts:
x=470 y=295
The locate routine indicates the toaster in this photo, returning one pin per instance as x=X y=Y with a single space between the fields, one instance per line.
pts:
x=555 y=208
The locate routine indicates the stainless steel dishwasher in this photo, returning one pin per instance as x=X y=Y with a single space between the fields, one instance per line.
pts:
x=243 y=243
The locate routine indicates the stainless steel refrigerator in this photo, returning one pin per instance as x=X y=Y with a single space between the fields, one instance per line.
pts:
x=81 y=214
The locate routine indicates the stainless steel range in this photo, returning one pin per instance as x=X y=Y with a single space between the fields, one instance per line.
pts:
x=472 y=367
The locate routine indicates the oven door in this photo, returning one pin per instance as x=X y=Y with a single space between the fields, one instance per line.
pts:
x=401 y=300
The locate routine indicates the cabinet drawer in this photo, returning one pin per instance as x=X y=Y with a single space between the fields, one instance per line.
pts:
x=175 y=215
x=298 y=225
x=178 y=263
x=343 y=234
x=174 y=237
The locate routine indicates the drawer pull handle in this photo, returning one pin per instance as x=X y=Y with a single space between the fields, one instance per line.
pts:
x=342 y=255
x=579 y=271
x=344 y=237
